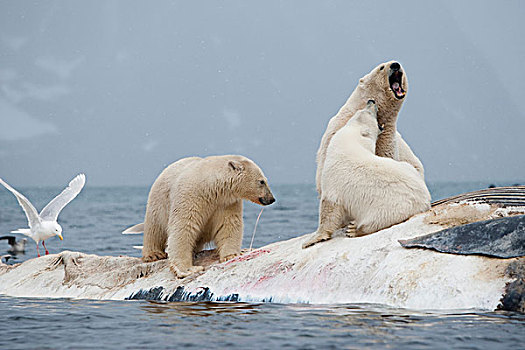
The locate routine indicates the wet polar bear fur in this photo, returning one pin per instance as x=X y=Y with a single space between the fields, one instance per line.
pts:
x=378 y=85
x=358 y=185
x=199 y=200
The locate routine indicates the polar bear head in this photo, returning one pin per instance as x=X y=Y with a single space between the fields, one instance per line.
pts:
x=248 y=181
x=387 y=77
x=365 y=127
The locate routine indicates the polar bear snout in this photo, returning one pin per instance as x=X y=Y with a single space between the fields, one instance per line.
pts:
x=266 y=200
x=371 y=106
x=396 y=80
x=264 y=194
x=395 y=66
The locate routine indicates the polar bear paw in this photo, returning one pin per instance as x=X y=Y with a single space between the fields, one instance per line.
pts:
x=351 y=231
x=186 y=272
x=154 y=256
x=318 y=237
x=228 y=257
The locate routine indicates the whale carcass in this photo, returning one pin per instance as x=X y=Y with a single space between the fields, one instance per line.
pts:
x=370 y=269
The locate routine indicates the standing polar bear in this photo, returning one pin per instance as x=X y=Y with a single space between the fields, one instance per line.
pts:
x=199 y=200
x=387 y=84
x=358 y=185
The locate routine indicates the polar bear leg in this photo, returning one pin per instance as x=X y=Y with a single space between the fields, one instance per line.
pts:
x=181 y=244
x=154 y=243
x=229 y=232
x=331 y=218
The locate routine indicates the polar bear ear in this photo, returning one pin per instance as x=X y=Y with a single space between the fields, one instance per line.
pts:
x=235 y=165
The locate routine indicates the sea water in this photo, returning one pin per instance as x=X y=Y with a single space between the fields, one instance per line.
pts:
x=93 y=223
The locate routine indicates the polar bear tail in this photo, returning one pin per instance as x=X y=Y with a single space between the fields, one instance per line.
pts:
x=134 y=230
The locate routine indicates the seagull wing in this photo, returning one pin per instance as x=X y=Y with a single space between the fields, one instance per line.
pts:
x=11 y=240
x=53 y=208
x=29 y=209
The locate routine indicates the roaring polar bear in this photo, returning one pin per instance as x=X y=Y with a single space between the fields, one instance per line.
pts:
x=358 y=185
x=386 y=84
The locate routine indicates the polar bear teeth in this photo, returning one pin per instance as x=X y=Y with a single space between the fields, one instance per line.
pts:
x=395 y=84
x=398 y=90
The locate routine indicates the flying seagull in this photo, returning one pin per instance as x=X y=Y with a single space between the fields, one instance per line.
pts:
x=16 y=246
x=44 y=225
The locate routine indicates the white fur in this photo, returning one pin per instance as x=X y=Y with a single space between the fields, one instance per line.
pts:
x=195 y=201
x=376 y=192
x=374 y=85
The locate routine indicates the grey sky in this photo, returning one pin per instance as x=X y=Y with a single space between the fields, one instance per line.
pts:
x=120 y=89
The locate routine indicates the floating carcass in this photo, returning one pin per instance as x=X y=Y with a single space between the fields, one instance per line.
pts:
x=370 y=269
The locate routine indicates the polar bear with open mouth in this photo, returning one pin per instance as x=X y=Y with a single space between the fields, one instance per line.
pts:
x=376 y=192
x=387 y=85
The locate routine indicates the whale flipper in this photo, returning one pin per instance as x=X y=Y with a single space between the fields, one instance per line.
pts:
x=499 y=238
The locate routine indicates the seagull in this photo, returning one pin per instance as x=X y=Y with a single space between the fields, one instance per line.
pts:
x=16 y=247
x=44 y=225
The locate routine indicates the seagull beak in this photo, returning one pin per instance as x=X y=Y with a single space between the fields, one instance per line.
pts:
x=60 y=236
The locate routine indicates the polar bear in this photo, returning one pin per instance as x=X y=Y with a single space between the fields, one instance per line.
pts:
x=387 y=84
x=358 y=185
x=199 y=200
